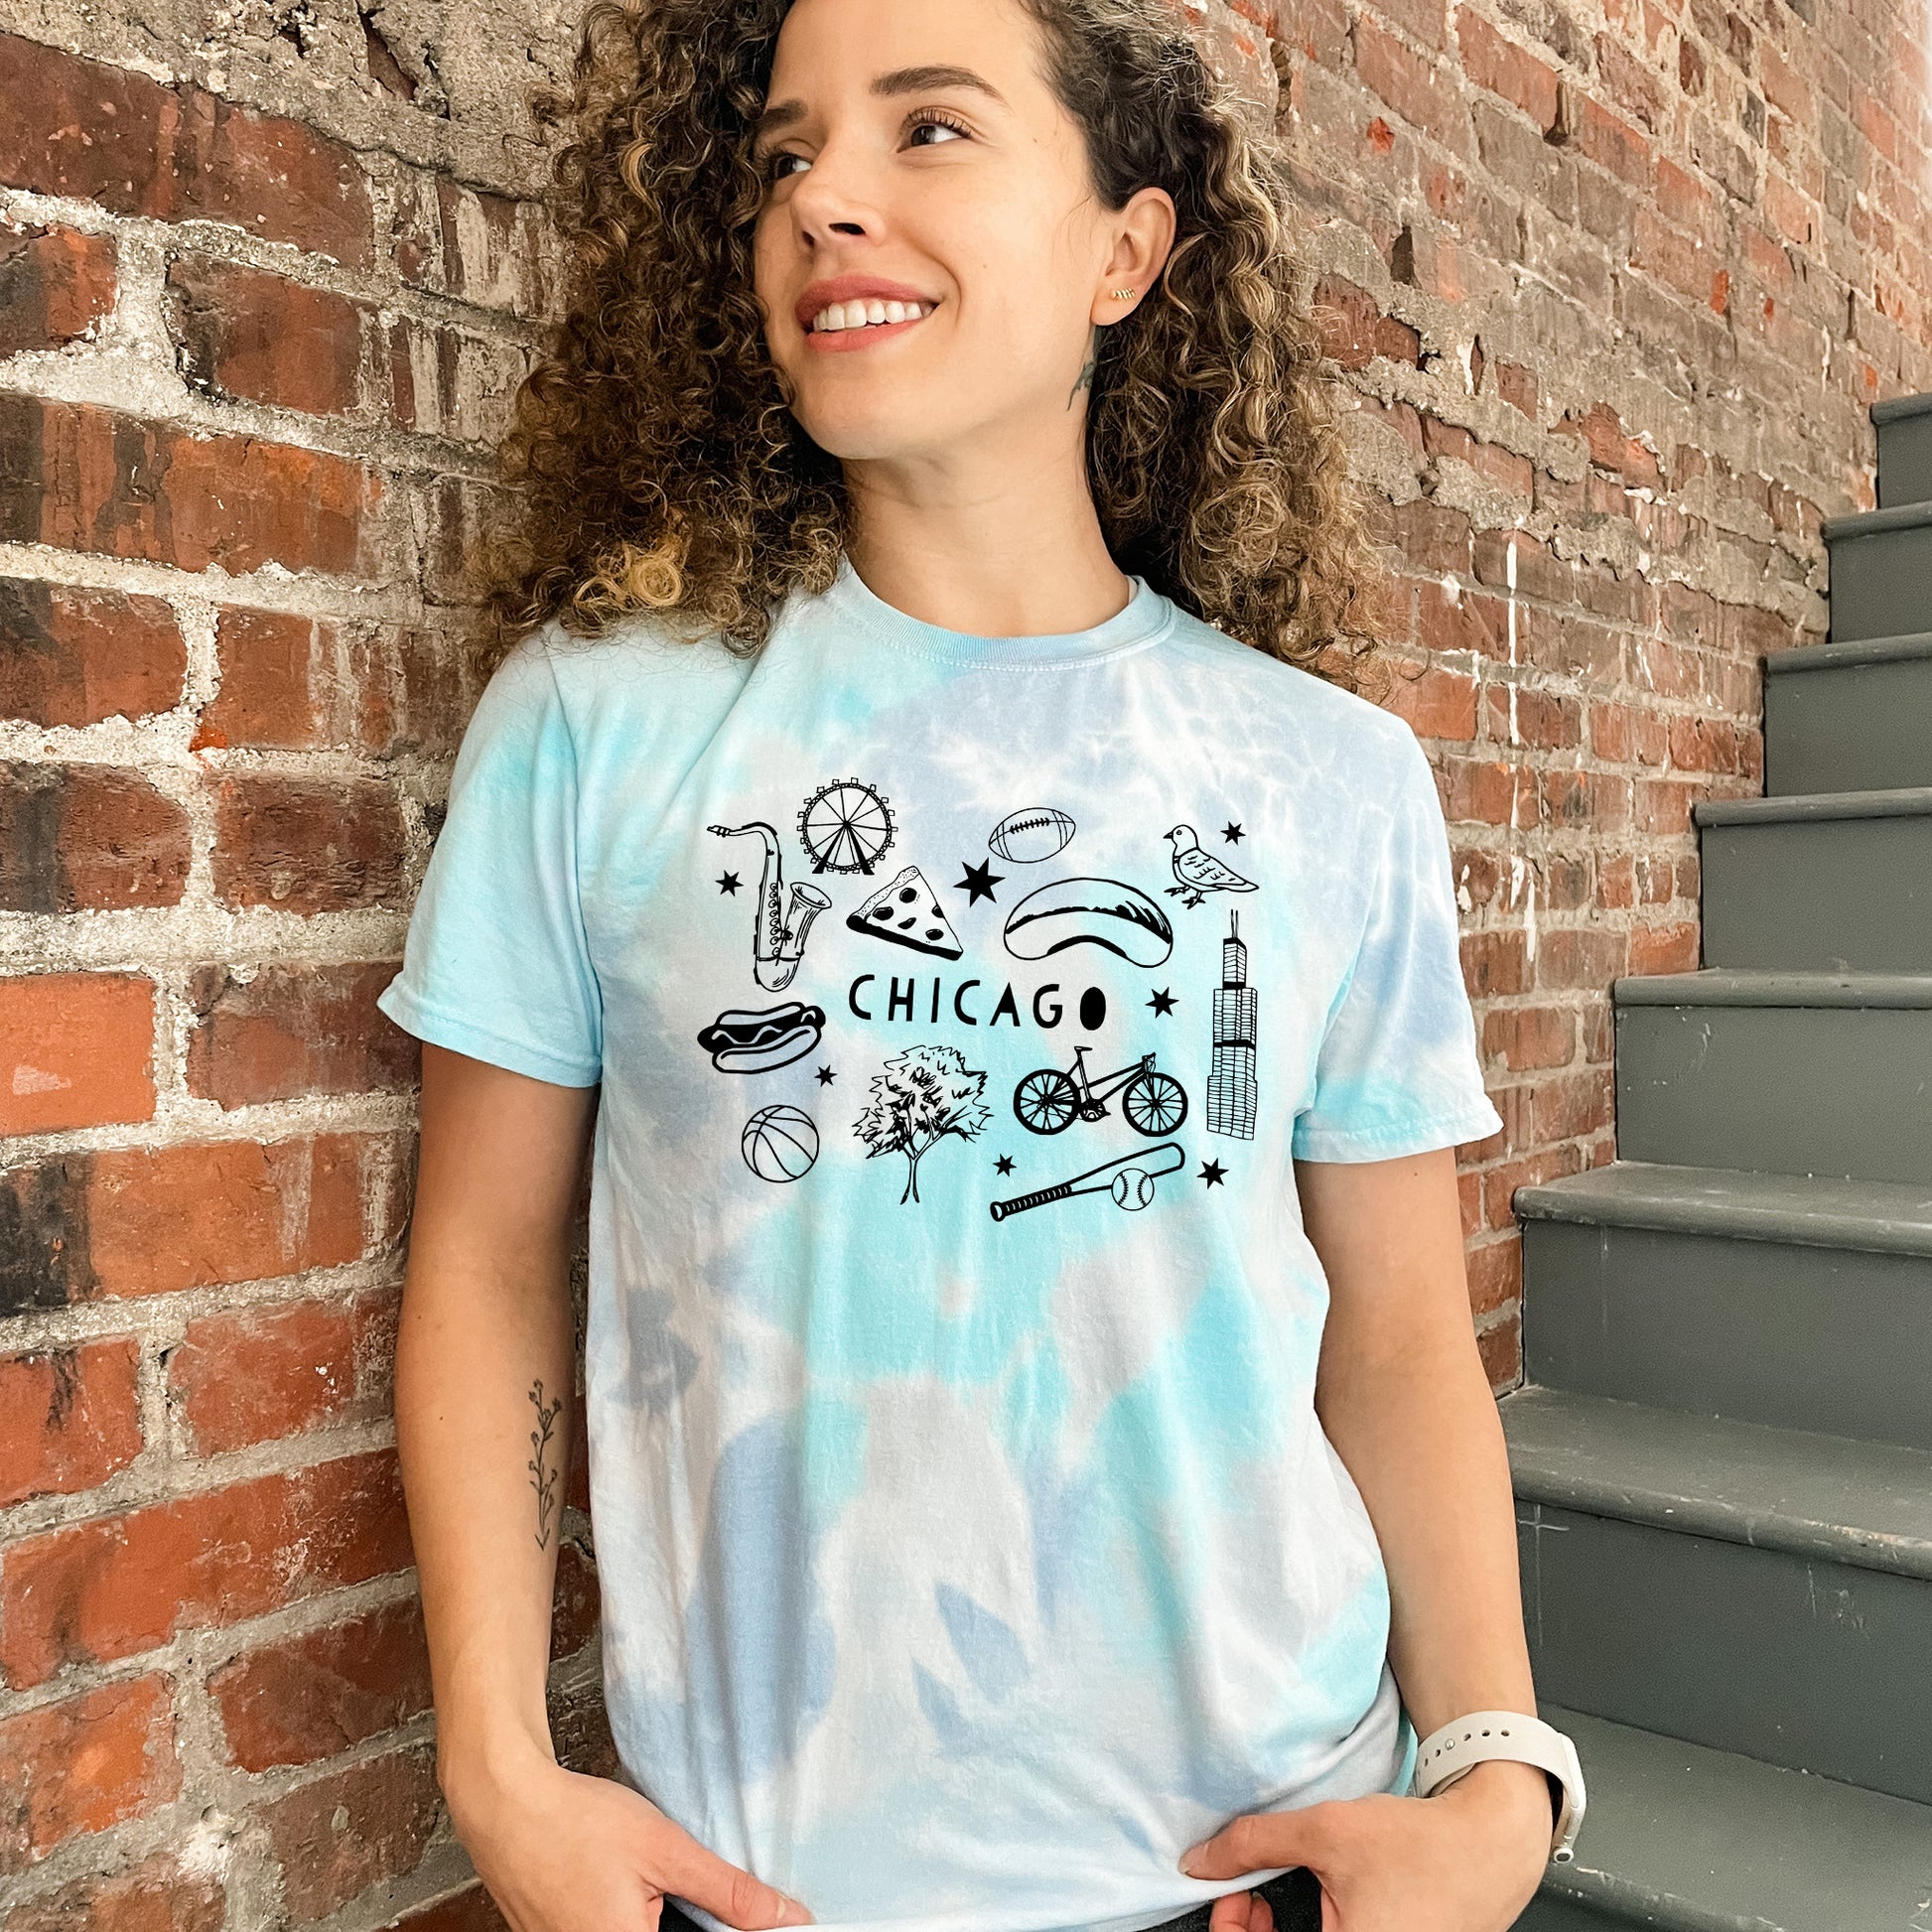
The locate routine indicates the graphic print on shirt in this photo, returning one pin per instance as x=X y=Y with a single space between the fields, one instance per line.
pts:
x=1048 y=1100
x=1104 y=913
x=1129 y=1178
x=779 y=1143
x=845 y=826
x=907 y=911
x=1030 y=835
x=1200 y=873
x=744 y=1040
x=1232 y=1091
x=779 y=930
x=919 y=1098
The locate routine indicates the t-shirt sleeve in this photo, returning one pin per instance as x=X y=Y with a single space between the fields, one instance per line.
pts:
x=497 y=964
x=1397 y=1071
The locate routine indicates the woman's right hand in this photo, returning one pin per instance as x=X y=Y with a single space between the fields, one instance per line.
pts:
x=563 y=1853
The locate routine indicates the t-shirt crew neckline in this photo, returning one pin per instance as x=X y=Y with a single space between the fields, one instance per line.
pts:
x=1145 y=618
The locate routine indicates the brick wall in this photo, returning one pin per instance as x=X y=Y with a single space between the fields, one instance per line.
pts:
x=1613 y=288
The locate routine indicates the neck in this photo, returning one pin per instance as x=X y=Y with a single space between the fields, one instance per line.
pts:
x=1000 y=543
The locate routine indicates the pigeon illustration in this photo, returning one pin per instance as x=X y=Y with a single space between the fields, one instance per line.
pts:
x=1198 y=872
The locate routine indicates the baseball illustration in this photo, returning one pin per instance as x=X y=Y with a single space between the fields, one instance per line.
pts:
x=779 y=1143
x=1133 y=1189
x=1030 y=835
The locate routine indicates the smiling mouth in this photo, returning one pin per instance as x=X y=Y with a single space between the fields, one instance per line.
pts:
x=868 y=313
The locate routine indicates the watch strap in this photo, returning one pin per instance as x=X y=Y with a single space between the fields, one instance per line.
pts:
x=1460 y=1746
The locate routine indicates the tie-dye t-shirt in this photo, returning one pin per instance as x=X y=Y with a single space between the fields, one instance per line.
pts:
x=968 y=1542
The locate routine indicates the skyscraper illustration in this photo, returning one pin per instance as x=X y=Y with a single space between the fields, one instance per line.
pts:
x=1231 y=1090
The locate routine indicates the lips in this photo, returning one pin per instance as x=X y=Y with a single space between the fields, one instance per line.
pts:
x=820 y=295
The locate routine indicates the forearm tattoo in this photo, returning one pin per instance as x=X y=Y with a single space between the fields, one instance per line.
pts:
x=543 y=1470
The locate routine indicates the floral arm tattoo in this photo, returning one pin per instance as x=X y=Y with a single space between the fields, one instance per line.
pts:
x=543 y=1470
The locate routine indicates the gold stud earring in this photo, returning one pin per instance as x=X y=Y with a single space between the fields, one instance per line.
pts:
x=1125 y=295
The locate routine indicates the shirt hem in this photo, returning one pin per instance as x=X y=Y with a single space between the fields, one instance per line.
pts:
x=416 y=1015
x=1410 y=1137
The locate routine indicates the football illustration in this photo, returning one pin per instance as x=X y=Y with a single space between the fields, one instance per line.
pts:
x=779 y=1143
x=1030 y=835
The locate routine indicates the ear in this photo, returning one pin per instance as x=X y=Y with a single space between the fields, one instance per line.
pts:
x=1143 y=237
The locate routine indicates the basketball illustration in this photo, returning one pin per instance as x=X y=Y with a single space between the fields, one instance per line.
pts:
x=779 y=1143
x=1133 y=1189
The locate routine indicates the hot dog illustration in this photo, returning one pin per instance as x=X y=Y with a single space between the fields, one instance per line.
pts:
x=742 y=1042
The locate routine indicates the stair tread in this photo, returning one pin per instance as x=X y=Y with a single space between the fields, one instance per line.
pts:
x=1810 y=1211
x=1868 y=1504
x=1895 y=409
x=1878 y=524
x=1891 y=801
x=1844 y=653
x=1741 y=986
x=1679 y=1836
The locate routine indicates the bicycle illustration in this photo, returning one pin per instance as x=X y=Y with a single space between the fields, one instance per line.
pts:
x=1049 y=1099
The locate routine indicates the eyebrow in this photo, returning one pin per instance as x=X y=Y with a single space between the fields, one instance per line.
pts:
x=902 y=80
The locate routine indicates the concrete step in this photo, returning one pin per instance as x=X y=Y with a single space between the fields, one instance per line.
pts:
x=1821 y=1073
x=1848 y=717
x=1830 y=882
x=1754 y=1589
x=1681 y=1838
x=1639 y=1281
x=1882 y=572
x=1904 y=425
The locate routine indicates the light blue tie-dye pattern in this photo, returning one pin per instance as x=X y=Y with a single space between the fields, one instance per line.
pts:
x=958 y=1573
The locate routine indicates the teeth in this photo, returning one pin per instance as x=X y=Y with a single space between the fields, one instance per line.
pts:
x=871 y=310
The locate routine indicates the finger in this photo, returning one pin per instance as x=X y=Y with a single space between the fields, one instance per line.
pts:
x=1256 y=1840
x=691 y=1871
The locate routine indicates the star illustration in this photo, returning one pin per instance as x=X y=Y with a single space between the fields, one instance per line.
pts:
x=1231 y=832
x=728 y=882
x=1163 y=1002
x=1003 y=1164
x=979 y=882
x=1213 y=1174
x=826 y=1077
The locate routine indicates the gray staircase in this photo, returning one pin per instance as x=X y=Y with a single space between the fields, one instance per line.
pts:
x=1722 y=1448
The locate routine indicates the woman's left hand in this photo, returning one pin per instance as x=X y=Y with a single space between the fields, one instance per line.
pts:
x=1468 y=1860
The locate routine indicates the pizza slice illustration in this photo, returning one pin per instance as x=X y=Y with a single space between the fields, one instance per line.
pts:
x=907 y=911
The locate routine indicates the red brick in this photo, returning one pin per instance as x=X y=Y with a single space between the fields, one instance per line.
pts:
x=306 y=845
x=1520 y=714
x=575 y=1606
x=262 y=337
x=1354 y=330
x=296 y=683
x=102 y=134
x=1664 y=949
x=55 y=285
x=265 y=1374
x=1462 y=620
x=1507 y=70
x=1499 y=1185
x=1599 y=800
x=163 y=1218
x=83 y=837
x=68 y=1418
x=1523 y=1038
x=1486 y=791
x=1436 y=703
x=1495 y=1270
x=1569 y=957
x=1605 y=138
x=1494 y=961
x=295 y=1030
x=113 y=1588
x=1574 y=1106
x=156 y=1896
x=74 y=657
x=83 y=1765
x=341 y=1834
x=44 y=1260
x=312 y=1696
x=468 y=1911
x=1422 y=92
x=77 y=1049
x=78 y=477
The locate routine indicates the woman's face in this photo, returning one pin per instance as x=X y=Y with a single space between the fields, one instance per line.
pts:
x=930 y=256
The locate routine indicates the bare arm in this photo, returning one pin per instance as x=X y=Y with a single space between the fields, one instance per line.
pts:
x=483 y=1373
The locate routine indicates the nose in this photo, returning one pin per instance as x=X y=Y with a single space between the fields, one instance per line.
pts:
x=835 y=197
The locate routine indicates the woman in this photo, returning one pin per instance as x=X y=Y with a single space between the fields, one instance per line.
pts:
x=1035 y=1422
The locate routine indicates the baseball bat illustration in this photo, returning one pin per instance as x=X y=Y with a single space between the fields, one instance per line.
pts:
x=1168 y=1155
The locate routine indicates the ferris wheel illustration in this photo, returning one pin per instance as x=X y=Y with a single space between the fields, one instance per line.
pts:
x=845 y=826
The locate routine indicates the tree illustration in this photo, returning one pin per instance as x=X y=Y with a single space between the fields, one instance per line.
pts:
x=919 y=1098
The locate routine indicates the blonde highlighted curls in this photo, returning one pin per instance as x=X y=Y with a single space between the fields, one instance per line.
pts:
x=660 y=469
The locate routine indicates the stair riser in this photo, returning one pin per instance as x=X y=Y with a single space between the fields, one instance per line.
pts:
x=1795 y=1661
x=1881 y=584
x=1905 y=461
x=1547 y=1914
x=1860 y=727
x=1825 y=1090
x=1820 y=894
x=1838 y=1339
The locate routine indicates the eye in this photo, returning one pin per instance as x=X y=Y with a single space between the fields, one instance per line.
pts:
x=931 y=121
x=775 y=168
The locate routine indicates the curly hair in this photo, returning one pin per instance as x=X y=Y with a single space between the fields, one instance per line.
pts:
x=656 y=462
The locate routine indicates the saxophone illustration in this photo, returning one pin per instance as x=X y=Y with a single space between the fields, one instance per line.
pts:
x=778 y=932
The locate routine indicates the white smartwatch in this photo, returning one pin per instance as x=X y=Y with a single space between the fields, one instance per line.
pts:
x=1457 y=1747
